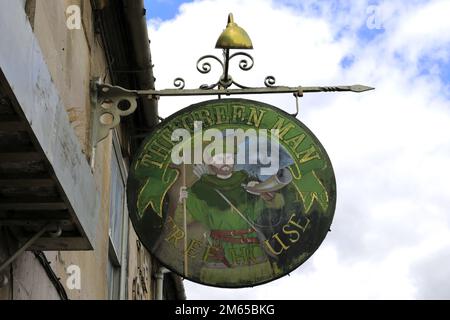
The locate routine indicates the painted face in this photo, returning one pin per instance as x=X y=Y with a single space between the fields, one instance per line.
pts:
x=222 y=164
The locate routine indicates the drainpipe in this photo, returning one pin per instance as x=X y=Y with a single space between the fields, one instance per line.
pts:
x=137 y=22
x=124 y=258
x=160 y=281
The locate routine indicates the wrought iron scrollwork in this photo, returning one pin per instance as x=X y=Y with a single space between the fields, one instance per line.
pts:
x=225 y=81
x=205 y=67
x=179 y=83
x=246 y=63
x=270 y=81
x=113 y=102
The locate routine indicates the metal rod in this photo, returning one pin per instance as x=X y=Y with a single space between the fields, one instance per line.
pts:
x=260 y=234
x=108 y=91
x=261 y=90
x=237 y=210
x=185 y=226
x=227 y=64
x=24 y=247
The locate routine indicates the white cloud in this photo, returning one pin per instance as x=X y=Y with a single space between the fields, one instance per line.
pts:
x=390 y=148
x=422 y=30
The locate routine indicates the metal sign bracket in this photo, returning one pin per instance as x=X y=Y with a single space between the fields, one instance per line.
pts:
x=113 y=102
x=110 y=103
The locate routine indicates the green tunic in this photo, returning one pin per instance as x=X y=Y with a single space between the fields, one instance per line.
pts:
x=206 y=205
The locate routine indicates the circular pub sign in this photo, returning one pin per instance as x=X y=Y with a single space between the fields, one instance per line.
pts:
x=231 y=193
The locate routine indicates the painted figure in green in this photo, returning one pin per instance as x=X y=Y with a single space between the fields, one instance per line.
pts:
x=219 y=201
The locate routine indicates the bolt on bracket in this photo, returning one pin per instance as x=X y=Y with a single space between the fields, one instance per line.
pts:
x=112 y=102
x=109 y=105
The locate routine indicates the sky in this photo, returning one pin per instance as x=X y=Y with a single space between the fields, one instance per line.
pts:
x=390 y=147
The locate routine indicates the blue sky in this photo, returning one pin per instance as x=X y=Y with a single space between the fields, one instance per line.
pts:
x=390 y=147
x=162 y=9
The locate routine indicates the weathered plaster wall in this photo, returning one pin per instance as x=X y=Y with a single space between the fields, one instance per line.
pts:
x=70 y=55
x=140 y=282
x=73 y=58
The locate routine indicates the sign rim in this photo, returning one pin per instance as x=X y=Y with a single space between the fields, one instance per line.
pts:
x=332 y=196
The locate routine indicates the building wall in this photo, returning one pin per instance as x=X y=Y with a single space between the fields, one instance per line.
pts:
x=140 y=284
x=73 y=58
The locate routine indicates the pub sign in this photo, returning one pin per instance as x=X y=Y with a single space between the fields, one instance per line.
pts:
x=231 y=193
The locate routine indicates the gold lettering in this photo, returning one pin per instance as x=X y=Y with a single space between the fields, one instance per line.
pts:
x=308 y=155
x=188 y=122
x=166 y=136
x=238 y=114
x=271 y=249
x=193 y=247
x=255 y=119
x=295 y=141
x=176 y=234
x=283 y=129
x=243 y=255
x=303 y=228
x=221 y=114
x=277 y=237
x=208 y=253
x=238 y=258
x=159 y=149
x=288 y=231
x=283 y=246
x=147 y=161
x=204 y=116
x=251 y=254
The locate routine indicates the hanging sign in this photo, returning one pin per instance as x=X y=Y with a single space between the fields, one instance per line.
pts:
x=231 y=193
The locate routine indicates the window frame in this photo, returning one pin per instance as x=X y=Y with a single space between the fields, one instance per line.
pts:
x=116 y=266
